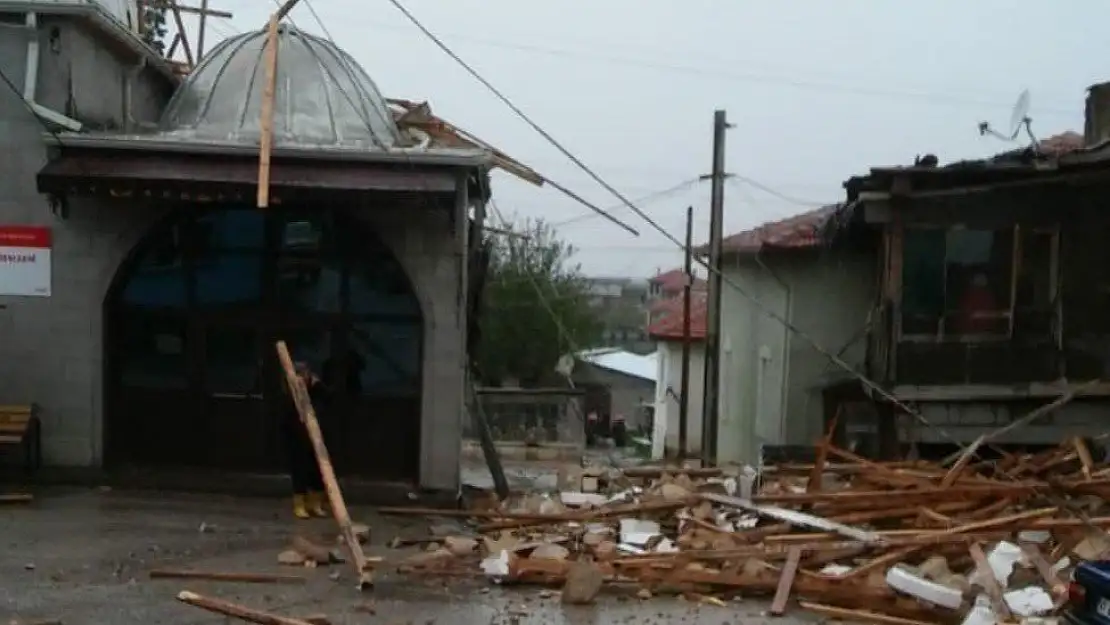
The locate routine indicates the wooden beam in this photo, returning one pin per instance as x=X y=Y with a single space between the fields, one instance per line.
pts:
x=173 y=45
x=176 y=10
x=285 y=8
x=266 y=123
x=233 y=610
x=786 y=582
x=989 y=582
x=203 y=25
x=335 y=496
x=166 y=4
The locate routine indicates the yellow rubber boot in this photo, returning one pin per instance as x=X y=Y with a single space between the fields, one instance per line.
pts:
x=299 y=509
x=316 y=505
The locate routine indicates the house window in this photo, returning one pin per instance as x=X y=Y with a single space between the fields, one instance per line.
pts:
x=957 y=283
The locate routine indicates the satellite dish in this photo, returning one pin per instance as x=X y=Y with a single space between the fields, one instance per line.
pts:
x=1019 y=118
x=1019 y=115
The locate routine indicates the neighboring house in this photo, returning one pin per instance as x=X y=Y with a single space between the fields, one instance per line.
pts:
x=970 y=293
x=669 y=332
x=620 y=303
x=773 y=382
x=664 y=287
x=995 y=289
x=625 y=381
x=148 y=290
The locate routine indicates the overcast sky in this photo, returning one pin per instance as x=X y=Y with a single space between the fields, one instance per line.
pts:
x=817 y=90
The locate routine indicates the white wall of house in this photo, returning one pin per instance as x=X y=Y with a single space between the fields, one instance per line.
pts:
x=771 y=380
x=665 y=435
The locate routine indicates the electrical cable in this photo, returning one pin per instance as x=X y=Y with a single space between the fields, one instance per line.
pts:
x=866 y=382
x=654 y=195
x=940 y=99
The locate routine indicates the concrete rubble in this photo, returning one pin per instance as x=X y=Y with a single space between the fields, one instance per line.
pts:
x=971 y=542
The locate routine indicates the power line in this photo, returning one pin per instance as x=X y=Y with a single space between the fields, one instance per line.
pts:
x=776 y=193
x=655 y=195
x=810 y=85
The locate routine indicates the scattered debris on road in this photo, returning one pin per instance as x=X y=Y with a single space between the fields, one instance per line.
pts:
x=882 y=542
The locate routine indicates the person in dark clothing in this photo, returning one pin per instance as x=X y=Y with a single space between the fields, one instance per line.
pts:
x=304 y=470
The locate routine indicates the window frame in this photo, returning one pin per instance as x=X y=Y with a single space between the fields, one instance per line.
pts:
x=940 y=336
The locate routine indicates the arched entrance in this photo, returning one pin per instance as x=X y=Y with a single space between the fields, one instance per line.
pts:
x=191 y=320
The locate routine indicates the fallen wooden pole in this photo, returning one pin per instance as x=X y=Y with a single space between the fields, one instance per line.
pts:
x=335 y=496
x=218 y=576
x=489 y=449
x=266 y=123
x=16 y=498
x=233 y=610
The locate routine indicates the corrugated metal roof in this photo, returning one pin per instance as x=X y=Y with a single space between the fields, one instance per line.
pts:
x=621 y=361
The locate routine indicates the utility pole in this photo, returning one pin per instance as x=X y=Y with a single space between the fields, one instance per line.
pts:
x=711 y=399
x=684 y=398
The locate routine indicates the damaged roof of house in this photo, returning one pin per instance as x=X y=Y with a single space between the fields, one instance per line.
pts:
x=1062 y=153
x=668 y=327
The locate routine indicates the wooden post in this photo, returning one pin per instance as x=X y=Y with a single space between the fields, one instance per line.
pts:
x=266 y=123
x=335 y=496
x=202 y=28
x=687 y=286
x=176 y=10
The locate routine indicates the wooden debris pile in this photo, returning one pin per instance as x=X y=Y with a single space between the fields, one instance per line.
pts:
x=979 y=542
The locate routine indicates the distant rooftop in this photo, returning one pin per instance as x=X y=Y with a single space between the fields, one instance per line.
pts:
x=621 y=361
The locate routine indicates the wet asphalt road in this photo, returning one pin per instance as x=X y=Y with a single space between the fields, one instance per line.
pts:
x=83 y=556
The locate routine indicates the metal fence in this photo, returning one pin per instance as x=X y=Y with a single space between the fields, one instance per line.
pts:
x=530 y=416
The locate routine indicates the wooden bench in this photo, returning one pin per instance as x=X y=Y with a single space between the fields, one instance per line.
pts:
x=20 y=427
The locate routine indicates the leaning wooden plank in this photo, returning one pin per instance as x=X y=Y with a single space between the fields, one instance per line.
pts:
x=233 y=610
x=1084 y=456
x=793 y=517
x=859 y=615
x=1044 y=568
x=266 y=123
x=989 y=582
x=222 y=576
x=962 y=462
x=813 y=485
x=335 y=496
x=786 y=582
x=898 y=555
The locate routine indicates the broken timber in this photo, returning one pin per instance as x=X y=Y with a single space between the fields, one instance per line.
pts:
x=335 y=496
x=233 y=610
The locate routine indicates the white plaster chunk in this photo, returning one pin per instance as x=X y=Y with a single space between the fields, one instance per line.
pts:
x=1029 y=601
x=902 y=579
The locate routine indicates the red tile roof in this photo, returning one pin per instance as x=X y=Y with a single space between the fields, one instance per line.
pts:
x=1062 y=143
x=674 y=280
x=797 y=232
x=669 y=325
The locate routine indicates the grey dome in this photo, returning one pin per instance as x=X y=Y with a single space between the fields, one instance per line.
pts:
x=322 y=96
